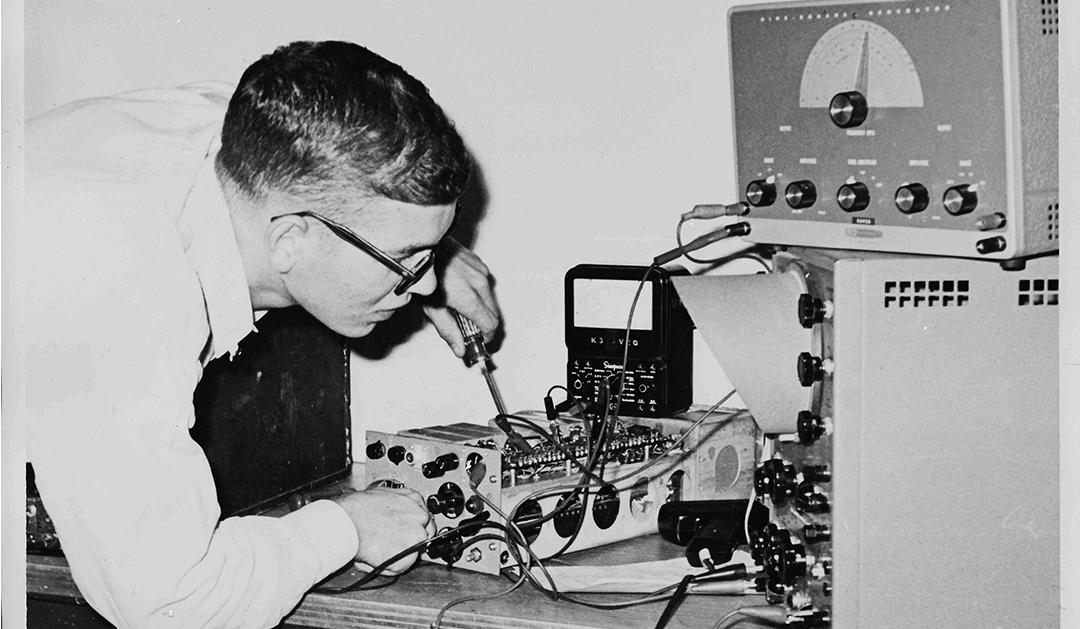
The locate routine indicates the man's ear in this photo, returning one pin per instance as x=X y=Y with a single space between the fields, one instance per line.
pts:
x=286 y=239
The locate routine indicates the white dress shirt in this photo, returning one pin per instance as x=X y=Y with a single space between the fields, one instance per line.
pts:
x=134 y=283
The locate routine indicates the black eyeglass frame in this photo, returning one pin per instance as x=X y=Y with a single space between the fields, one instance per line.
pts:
x=408 y=276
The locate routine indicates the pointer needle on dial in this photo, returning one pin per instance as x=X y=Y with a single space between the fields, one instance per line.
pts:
x=861 y=76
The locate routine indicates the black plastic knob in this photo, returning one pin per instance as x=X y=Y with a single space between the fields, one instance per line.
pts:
x=912 y=198
x=376 y=450
x=448 y=501
x=853 y=197
x=817 y=473
x=775 y=479
x=441 y=465
x=960 y=200
x=809 y=368
x=792 y=562
x=809 y=499
x=990 y=222
x=800 y=194
x=991 y=245
x=848 y=109
x=816 y=533
x=811 y=310
x=396 y=454
x=810 y=427
x=760 y=193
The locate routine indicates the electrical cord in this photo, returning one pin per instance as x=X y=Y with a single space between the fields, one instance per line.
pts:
x=377 y=571
x=523 y=542
x=476 y=597
x=626 y=338
x=748 y=256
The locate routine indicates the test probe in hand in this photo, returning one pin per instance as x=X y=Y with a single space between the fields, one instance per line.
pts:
x=476 y=353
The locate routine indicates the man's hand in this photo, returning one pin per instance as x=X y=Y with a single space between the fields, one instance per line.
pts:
x=388 y=520
x=465 y=286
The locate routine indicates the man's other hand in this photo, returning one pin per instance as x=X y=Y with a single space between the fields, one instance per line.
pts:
x=388 y=520
x=465 y=286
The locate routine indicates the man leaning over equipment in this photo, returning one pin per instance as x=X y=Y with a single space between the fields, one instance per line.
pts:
x=158 y=223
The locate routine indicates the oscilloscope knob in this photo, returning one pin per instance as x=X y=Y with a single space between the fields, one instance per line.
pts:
x=853 y=197
x=800 y=194
x=811 y=310
x=810 y=369
x=960 y=199
x=848 y=109
x=760 y=193
x=810 y=427
x=912 y=198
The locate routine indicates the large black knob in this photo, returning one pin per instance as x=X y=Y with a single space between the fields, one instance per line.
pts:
x=912 y=198
x=848 y=109
x=800 y=194
x=811 y=310
x=853 y=197
x=448 y=501
x=809 y=368
x=960 y=200
x=760 y=193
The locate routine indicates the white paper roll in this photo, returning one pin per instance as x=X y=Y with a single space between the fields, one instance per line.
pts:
x=751 y=325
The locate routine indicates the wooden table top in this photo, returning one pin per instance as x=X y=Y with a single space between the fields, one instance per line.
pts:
x=416 y=598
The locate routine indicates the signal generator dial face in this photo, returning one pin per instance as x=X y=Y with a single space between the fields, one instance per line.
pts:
x=860 y=56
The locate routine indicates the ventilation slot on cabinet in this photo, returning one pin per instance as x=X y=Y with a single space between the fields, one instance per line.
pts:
x=1049 y=16
x=1053 y=216
x=926 y=293
x=1038 y=292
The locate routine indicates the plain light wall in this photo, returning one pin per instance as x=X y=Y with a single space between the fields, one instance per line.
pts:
x=594 y=126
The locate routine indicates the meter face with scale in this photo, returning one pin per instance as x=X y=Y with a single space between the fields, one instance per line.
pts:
x=894 y=126
x=862 y=56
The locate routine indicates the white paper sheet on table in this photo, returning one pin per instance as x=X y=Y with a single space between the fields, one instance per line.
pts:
x=643 y=577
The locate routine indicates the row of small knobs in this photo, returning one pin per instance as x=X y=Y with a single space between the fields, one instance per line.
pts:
x=910 y=198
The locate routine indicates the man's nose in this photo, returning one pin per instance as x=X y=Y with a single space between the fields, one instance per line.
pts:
x=426 y=285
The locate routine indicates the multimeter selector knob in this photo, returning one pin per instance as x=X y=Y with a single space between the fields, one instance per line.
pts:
x=848 y=109
x=810 y=369
x=853 y=197
x=912 y=198
x=760 y=193
x=800 y=194
x=960 y=200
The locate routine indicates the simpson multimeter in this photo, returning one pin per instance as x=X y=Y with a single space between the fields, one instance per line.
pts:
x=659 y=368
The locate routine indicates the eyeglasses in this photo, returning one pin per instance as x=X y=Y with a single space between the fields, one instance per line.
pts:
x=408 y=276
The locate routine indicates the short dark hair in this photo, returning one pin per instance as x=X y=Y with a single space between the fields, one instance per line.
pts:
x=313 y=116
